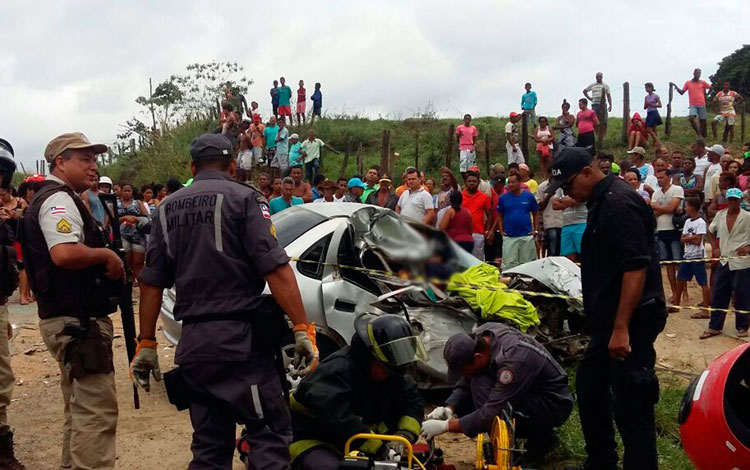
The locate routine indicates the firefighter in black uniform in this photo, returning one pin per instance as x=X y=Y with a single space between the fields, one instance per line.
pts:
x=362 y=388
x=215 y=242
x=623 y=301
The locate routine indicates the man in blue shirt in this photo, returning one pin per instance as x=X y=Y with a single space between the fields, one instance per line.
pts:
x=317 y=99
x=269 y=136
x=515 y=211
x=286 y=200
x=275 y=98
x=528 y=106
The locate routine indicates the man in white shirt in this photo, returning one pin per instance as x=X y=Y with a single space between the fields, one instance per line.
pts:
x=700 y=156
x=732 y=228
x=715 y=153
x=415 y=202
x=515 y=155
x=597 y=89
x=329 y=188
x=665 y=202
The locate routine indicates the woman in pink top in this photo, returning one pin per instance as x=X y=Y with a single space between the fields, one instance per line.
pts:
x=457 y=222
x=587 y=122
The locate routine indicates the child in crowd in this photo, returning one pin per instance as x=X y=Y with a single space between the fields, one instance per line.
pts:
x=693 y=234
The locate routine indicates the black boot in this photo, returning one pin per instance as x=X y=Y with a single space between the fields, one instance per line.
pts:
x=8 y=459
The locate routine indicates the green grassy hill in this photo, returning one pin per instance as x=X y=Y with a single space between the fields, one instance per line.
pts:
x=169 y=155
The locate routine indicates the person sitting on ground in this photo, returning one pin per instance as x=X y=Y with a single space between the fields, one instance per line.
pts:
x=498 y=370
x=360 y=386
x=384 y=196
x=355 y=188
x=287 y=199
x=301 y=188
x=544 y=137
x=693 y=234
x=731 y=227
x=457 y=222
x=637 y=132
x=328 y=187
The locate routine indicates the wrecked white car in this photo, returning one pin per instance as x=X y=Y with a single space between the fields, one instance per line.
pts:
x=354 y=258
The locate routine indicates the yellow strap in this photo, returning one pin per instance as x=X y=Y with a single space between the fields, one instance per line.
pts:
x=407 y=423
x=375 y=345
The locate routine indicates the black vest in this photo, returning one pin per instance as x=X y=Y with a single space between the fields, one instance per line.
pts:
x=64 y=292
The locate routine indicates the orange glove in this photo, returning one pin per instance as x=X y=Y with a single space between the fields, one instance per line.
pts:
x=305 y=348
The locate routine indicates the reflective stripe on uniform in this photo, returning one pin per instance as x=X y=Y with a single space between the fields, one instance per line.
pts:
x=164 y=232
x=300 y=447
x=217 y=223
x=298 y=407
x=407 y=423
x=256 y=401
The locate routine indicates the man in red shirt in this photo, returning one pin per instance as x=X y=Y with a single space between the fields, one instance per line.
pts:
x=696 y=89
x=466 y=135
x=301 y=103
x=480 y=207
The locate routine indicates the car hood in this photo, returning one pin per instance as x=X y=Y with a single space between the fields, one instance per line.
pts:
x=557 y=273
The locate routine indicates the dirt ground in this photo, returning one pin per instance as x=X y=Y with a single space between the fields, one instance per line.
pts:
x=158 y=436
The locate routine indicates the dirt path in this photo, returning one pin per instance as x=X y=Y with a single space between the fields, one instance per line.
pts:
x=157 y=436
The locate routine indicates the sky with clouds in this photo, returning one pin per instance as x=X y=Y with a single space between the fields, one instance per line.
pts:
x=79 y=65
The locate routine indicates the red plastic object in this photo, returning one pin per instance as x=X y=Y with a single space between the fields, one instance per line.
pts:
x=715 y=414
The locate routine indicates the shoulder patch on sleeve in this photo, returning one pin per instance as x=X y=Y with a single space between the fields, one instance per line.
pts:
x=264 y=210
x=505 y=376
x=63 y=226
x=58 y=210
x=273 y=230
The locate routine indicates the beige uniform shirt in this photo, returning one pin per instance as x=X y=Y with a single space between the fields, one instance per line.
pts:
x=60 y=219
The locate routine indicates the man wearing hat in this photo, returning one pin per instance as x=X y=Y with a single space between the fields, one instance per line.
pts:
x=496 y=370
x=732 y=275
x=355 y=188
x=215 y=243
x=515 y=155
x=329 y=188
x=624 y=308
x=710 y=186
x=384 y=196
x=68 y=265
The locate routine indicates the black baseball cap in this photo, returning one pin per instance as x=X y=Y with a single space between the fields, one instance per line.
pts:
x=566 y=164
x=210 y=145
x=458 y=351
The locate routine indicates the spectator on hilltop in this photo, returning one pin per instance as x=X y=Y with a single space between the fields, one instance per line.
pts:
x=457 y=222
x=415 y=202
x=637 y=132
x=466 y=135
x=696 y=89
x=285 y=99
x=301 y=188
x=275 y=98
x=256 y=131
x=295 y=148
x=666 y=202
x=528 y=105
x=317 y=99
x=693 y=234
x=516 y=209
x=253 y=111
x=280 y=162
x=384 y=195
x=587 y=121
x=565 y=123
x=480 y=208
x=544 y=137
x=301 y=103
x=269 y=139
x=597 y=89
x=310 y=150
x=731 y=227
x=726 y=99
x=652 y=103
x=287 y=199
x=245 y=155
x=515 y=155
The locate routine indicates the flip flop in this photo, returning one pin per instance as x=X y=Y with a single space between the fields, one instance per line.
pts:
x=700 y=316
x=709 y=334
x=742 y=333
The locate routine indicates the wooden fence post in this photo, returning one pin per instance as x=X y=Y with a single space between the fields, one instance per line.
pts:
x=360 y=170
x=449 y=146
x=416 y=149
x=385 y=152
x=742 y=123
x=487 y=151
x=345 y=163
x=668 y=123
x=602 y=109
x=110 y=153
x=625 y=111
x=151 y=105
x=525 y=135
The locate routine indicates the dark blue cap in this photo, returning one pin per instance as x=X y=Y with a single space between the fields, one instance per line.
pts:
x=210 y=145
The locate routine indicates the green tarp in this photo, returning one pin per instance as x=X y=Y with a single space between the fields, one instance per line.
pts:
x=480 y=286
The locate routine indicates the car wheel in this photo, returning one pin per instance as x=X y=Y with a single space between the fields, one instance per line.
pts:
x=326 y=347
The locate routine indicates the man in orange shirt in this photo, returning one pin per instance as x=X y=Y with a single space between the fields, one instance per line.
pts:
x=480 y=207
x=696 y=89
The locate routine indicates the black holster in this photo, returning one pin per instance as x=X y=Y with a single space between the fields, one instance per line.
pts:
x=178 y=390
x=88 y=353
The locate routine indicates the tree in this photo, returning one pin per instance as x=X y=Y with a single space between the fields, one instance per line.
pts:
x=205 y=84
x=166 y=98
x=735 y=69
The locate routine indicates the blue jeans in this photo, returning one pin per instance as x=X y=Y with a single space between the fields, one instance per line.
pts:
x=311 y=169
x=552 y=241
x=726 y=284
x=668 y=243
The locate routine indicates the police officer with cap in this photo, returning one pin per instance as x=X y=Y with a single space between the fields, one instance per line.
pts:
x=215 y=242
x=362 y=388
x=497 y=369
x=68 y=265
x=8 y=283
x=624 y=306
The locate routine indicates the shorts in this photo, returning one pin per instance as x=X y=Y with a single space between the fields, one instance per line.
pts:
x=285 y=110
x=515 y=155
x=245 y=159
x=570 y=239
x=301 y=106
x=280 y=161
x=653 y=118
x=729 y=119
x=517 y=251
x=466 y=158
x=670 y=248
x=699 y=111
x=478 y=249
x=275 y=107
x=543 y=150
x=604 y=116
x=127 y=245
x=270 y=155
x=688 y=270
x=586 y=140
